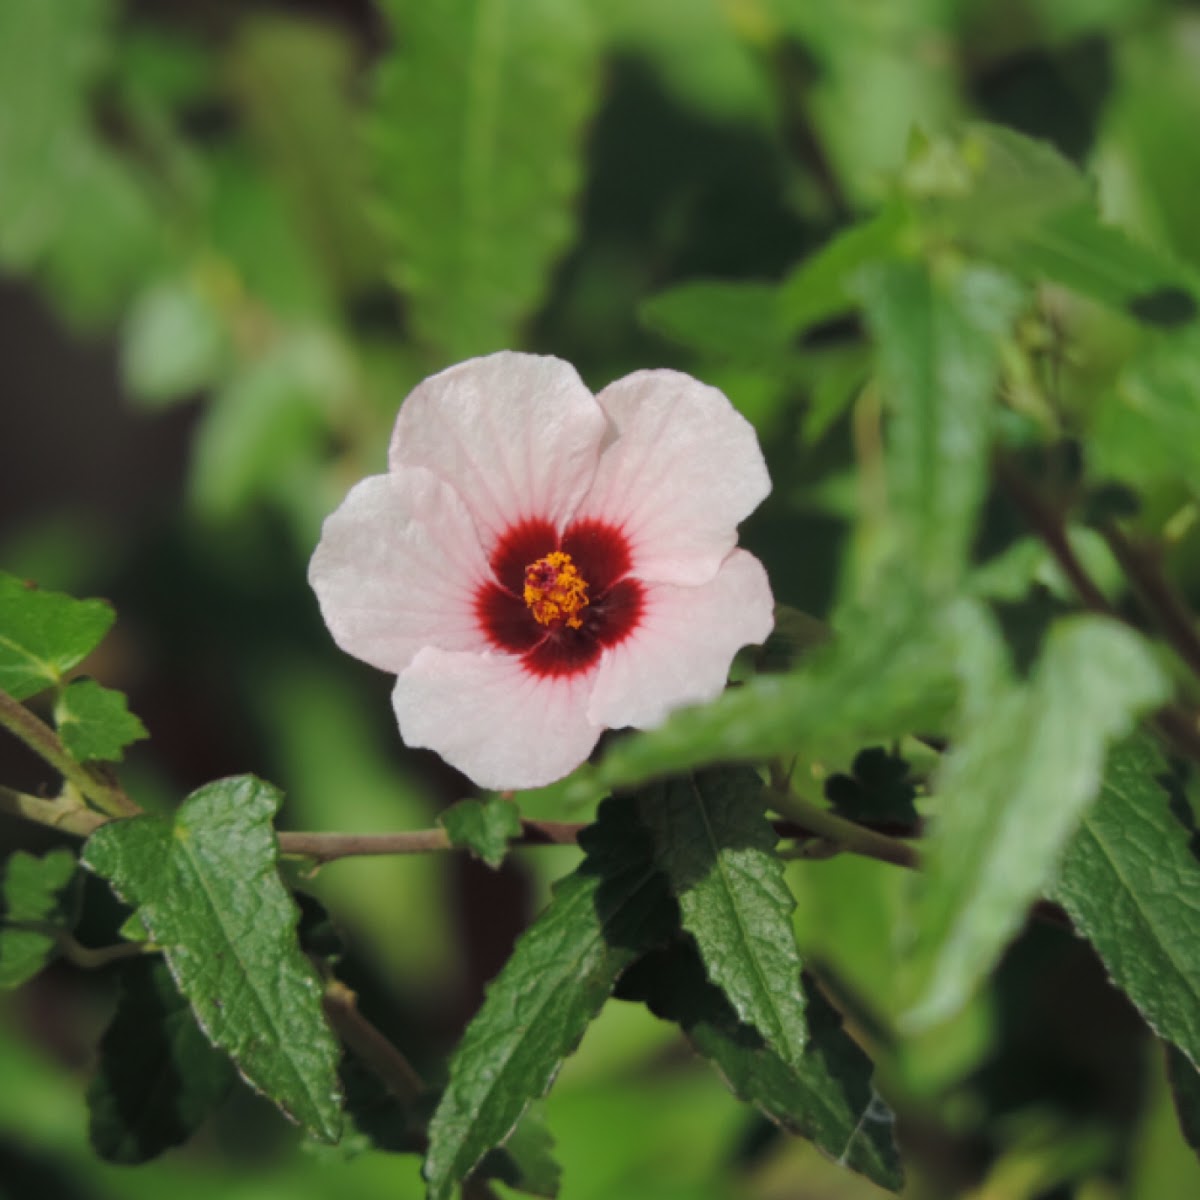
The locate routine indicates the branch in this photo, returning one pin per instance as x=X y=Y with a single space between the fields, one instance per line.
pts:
x=1143 y=567
x=75 y=952
x=1048 y=525
x=809 y=820
x=1173 y=722
x=325 y=847
x=45 y=743
x=375 y=1050
x=64 y=812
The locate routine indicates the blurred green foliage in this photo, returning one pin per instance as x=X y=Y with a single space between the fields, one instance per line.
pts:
x=244 y=231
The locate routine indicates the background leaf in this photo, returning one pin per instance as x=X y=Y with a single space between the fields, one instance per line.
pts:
x=939 y=336
x=557 y=978
x=38 y=891
x=716 y=847
x=94 y=722
x=1011 y=793
x=207 y=890
x=158 y=1077
x=884 y=675
x=43 y=634
x=477 y=130
x=1131 y=884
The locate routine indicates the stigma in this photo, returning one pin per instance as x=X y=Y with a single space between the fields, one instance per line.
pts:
x=555 y=592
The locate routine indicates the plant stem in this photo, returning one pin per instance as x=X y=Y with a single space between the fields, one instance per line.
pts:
x=376 y=1051
x=1048 y=525
x=65 y=812
x=1143 y=568
x=1180 y=727
x=325 y=847
x=845 y=835
x=88 y=957
x=45 y=743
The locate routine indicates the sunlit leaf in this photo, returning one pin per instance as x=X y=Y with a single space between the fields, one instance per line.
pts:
x=1012 y=792
x=886 y=673
x=174 y=343
x=478 y=123
x=939 y=335
x=43 y=634
x=94 y=722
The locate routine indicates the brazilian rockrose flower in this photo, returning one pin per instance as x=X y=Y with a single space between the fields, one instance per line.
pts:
x=540 y=564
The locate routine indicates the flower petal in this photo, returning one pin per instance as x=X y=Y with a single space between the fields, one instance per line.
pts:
x=683 y=470
x=397 y=568
x=498 y=724
x=517 y=436
x=682 y=647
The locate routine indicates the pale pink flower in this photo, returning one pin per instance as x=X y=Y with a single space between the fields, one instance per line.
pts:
x=540 y=564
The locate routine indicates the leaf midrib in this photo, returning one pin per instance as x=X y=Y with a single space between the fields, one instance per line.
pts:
x=1144 y=915
x=285 y=1054
x=585 y=949
x=794 y=1052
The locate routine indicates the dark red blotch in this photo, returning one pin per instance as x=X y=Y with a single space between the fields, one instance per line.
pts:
x=600 y=553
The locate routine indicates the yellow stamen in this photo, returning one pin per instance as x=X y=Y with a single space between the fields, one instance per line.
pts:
x=555 y=591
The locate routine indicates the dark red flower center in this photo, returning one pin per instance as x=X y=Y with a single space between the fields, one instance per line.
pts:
x=558 y=601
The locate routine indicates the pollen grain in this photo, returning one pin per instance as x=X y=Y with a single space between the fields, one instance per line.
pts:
x=555 y=592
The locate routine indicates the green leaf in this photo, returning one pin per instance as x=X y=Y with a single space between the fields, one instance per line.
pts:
x=158 y=1077
x=1075 y=249
x=1147 y=428
x=43 y=634
x=723 y=320
x=34 y=892
x=827 y=1097
x=1011 y=793
x=717 y=849
x=483 y=826
x=526 y=1161
x=478 y=126
x=294 y=81
x=50 y=102
x=208 y=892
x=939 y=336
x=266 y=422
x=1131 y=885
x=821 y=287
x=888 y=672
x=794 y=637
x=992 y=185
x=1017 y=201
x=699 y=51
x=173 y=343
x=1185 y=1089
x=94 y=722
x=600 y=919
x=72 y=211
